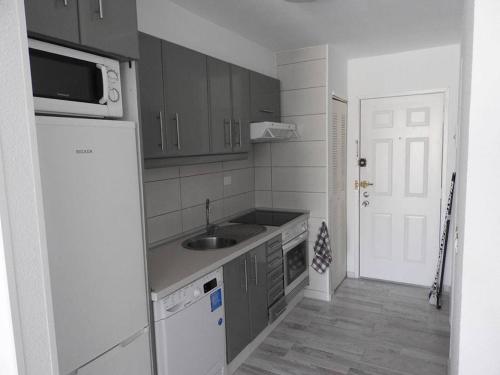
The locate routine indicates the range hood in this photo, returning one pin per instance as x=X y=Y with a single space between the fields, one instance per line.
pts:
x=272 y=132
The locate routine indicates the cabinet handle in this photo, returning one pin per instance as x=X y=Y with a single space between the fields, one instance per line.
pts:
x=246 y=276
x=239 y=124
x=162 y=134
x=65 y=3
x=178 y=135
x=256 y=269
x=231 y=133
x=266 y=111
x=101 y=12
x=225 y=133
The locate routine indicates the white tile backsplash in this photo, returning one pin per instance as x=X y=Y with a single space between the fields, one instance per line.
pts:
x=310 y=127
x=195 y=217
x=242 y=181
x=314 y=202
x=299 y=154
x=162 y=197
x=262 y=154
x=303 y=75
x=237 y=203
x=263 y=178
x=157 y=174
x=197 y=169
x=196 y=189
x=304 y=179
x=263 y=198
x=303 y=102
x=164 y=226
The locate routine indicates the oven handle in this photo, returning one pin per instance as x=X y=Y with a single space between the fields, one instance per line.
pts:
x=105 y=88
x=296 y=241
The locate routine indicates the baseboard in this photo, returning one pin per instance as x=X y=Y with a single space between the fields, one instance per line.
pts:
x=316 y=294
x=242 y=357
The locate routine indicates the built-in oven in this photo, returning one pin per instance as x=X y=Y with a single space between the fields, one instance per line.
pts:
x=295 y=261
x=74 y=83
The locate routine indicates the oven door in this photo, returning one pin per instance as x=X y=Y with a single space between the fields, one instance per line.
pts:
x=71 y=82
x=295 y=260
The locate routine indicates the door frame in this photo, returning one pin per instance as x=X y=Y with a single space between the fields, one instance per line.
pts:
x=353 y=170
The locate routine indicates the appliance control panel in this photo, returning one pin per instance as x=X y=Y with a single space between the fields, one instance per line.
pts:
x=295 y=230
x=187 y=295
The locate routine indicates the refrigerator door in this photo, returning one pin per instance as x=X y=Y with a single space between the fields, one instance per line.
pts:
x=91 y=196
x=130 y=358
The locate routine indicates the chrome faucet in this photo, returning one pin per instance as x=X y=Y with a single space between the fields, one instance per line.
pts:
x=210 y=228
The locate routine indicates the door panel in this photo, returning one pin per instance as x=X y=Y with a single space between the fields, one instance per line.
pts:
x=264 y=98
x=257 y=259
x=236 y=306
x=186 y=100
x=110 y=25
x=53 y=18
x=219 y=78
x=240 y=89
x=151 y=97
x=401 y=137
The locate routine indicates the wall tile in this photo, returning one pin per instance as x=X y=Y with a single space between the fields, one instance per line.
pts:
x=263 y=198
x=195 y=217
x=262 y=154
x=162 y=197
x=263 y=178
x=308 y=179
x=242 y=181
x=164 y=226
x=304 y=102
x=310 y=127
x=196 y=189
x=299 y=154
x=303 y=75
x=238 y=164
x=314 y=202
x=317 y=281
x=237 y=203
x=314 y=225
x=197 y=169
x=156 y=174
x=302 y=54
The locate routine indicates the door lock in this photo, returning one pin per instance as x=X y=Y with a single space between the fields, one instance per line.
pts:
x=363 y=184
x=365 y=203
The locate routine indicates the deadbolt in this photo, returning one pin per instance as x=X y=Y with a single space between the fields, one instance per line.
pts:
x=364 y=184
x=366 y=194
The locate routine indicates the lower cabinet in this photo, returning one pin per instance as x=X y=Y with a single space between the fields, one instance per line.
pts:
x=245 y=287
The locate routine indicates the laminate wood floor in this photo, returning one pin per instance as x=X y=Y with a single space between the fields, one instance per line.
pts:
x=371 y=328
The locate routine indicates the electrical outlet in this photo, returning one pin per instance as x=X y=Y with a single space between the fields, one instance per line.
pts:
x=227 y=180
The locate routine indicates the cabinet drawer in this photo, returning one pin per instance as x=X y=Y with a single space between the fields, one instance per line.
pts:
x=277 y=309
x=276 y=255
x=271 y=267
x=275 y=293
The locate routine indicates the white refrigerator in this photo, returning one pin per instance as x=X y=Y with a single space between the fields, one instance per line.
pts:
x=92 y=205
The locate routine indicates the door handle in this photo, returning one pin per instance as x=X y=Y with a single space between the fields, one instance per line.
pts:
x=362 y=184
x=256 y=269
x=101 y=12
x=246 y=276
x=365 y=203
x=177 y=128
x=162 y=135
x=65 y=3
x=105 y=88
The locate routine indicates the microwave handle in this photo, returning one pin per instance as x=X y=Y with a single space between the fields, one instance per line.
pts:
x=105 y=88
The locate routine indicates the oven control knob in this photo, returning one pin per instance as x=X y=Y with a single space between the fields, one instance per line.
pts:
x=112 y=75
x=114 y=95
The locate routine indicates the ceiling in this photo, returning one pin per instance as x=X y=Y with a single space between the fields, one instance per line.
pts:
x=356 y=27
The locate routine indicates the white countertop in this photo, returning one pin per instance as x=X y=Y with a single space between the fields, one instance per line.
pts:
x=171 y=266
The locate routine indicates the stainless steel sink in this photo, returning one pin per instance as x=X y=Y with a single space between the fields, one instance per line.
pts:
x=209 y=243
x=223 y=237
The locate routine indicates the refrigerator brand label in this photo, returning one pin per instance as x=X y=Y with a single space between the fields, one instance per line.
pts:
x=84 y=151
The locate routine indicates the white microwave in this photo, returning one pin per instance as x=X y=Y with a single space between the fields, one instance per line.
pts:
x=74 y=83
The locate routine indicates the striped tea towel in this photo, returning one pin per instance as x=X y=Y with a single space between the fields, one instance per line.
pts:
x=322 y=252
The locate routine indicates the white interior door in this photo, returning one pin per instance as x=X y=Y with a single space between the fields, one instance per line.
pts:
x=402 y=141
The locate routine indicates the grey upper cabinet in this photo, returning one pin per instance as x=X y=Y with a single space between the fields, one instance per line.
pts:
x=221 y=122
x=240 y=91
x=236 y=306
x=186 y=100
x=110 y=26
x=53 y=18
x=265 y=102
x=257 y=259
x=151 y=97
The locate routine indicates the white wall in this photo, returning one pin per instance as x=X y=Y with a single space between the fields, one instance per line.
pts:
x=476 y=338
x=419 y=70
x=169 y=21
x=23 y=244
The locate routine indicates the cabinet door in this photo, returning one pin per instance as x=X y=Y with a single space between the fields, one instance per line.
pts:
x=257 y=260
x=219 y=83
x=236 y=306
x=110 y=26
x=151 y=97
x=264 y=98
x=186 y=100
x=240 y=90
x=53 y=18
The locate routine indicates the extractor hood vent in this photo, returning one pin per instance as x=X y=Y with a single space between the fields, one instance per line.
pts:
x=272 y=132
